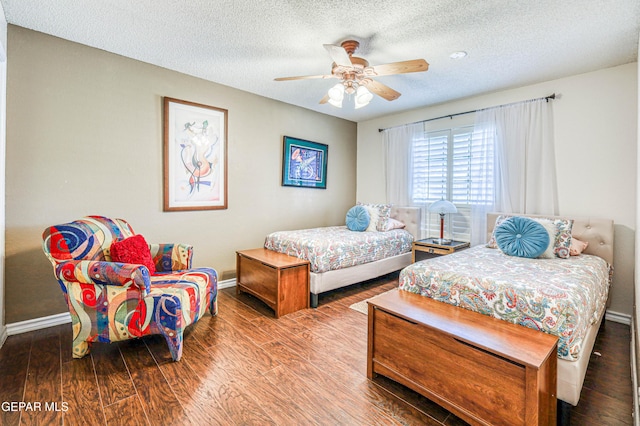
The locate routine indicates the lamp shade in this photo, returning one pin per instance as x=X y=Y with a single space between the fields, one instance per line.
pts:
x=336 y=94
x=335 y=103
x=442 y=207
x=363 y=97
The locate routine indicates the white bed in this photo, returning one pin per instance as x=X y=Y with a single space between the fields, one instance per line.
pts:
x=599 y=234
x=474 y=280
x=321 y=282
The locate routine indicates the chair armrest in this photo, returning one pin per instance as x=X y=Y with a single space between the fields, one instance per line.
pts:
x=171 y=257
x=104 y=273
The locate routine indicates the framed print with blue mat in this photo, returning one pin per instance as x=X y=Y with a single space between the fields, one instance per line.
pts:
x=304 y=163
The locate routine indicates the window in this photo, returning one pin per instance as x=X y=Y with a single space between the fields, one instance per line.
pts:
x=452 y=164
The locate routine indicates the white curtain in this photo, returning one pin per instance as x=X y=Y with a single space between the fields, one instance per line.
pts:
x=524 y=160
x=482 y=180
x=398 y=147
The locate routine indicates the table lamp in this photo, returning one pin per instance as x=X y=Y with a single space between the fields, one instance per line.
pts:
x=442 y=207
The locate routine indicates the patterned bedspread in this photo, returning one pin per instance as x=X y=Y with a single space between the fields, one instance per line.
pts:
x=335 y=247
x=558 y=296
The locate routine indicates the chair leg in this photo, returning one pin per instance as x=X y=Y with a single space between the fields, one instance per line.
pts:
x=80 y=349
x=168 y=317
x=213 y=304
x=81 y=332
x=174 y=341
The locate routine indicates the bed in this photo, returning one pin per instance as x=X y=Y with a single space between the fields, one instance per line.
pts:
x=340 y=257
x=575 y=322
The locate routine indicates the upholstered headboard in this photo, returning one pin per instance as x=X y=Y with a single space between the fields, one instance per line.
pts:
x=410 y=216
x=597 y=232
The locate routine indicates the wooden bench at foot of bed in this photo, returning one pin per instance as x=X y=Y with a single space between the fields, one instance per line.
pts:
x=484 y=370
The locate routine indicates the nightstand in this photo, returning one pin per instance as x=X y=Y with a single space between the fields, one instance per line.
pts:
x=427 y=249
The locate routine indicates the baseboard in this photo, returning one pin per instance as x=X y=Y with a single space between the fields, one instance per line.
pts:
x=3 y=334
x=618 y=317
x=38 y=323
x=63 y=318
x=227 y=283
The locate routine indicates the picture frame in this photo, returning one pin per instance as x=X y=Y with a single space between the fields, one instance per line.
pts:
x=195 y=156
x=304 y=163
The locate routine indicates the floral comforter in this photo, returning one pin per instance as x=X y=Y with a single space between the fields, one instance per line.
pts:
x=336 y=247
x=562 y=297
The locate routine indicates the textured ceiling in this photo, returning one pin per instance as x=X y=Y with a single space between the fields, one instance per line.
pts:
x=247 y=43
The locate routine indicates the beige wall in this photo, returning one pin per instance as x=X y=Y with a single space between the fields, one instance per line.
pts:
x=85 y=137
x=3 y=122
x=595 y=119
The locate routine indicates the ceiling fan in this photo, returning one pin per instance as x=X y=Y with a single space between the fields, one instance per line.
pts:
x=356 y=76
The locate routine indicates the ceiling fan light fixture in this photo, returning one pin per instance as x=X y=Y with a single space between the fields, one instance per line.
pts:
x=363 y=97
x=358 y=105
x=350 y=87
x=335 y=103
x=336 y=93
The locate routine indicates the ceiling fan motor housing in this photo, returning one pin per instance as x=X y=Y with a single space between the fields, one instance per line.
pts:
x=350 y=46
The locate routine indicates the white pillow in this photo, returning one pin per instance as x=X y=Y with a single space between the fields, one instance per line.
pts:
x=552 y=229
x=383 y=213
x=394 y=224
x=374 y=215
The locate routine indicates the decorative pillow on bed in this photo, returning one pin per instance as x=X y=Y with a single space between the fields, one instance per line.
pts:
x=374 y=214
x=492 y=241
x=522 y=237
x=551 y=229
x=394 y=224
x=561 y=242
x=358 y=218
x=577 y=246
x=379 y=213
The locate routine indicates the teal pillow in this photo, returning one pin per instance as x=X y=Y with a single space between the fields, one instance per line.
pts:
x=358 y=218
x=522 y=237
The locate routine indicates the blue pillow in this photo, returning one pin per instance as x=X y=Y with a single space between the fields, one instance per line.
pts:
x=358 y=218
x=522 y=237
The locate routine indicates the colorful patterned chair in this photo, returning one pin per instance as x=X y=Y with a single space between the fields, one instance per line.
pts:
x=112 y=301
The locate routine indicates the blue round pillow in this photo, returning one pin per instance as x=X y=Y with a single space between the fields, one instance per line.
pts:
x=522 y=237
x=358 y=218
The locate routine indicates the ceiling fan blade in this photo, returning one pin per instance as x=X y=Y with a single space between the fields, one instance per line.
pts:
x=381 y=90
x=415 y=65
x=325 y=99
x=338 y=54
x=303 y=77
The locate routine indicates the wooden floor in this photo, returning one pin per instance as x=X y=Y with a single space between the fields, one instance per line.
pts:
x=245 y=367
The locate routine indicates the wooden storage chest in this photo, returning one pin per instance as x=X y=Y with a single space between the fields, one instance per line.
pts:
x=279 y=280
x=487 y=373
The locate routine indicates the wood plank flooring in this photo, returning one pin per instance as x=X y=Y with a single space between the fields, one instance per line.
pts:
x=245 y=367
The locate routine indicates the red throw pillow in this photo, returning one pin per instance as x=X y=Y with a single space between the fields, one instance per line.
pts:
x=133 y=250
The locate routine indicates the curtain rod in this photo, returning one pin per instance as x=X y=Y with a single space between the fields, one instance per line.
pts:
x=546 y=98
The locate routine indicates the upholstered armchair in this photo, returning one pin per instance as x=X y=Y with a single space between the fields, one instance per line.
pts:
x=145 y=289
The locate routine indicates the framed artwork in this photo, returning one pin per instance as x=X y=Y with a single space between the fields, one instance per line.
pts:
x=304 y=163
x=195 y=156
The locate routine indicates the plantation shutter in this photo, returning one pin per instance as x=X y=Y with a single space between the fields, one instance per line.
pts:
x=430 y=167
x=451 y=164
